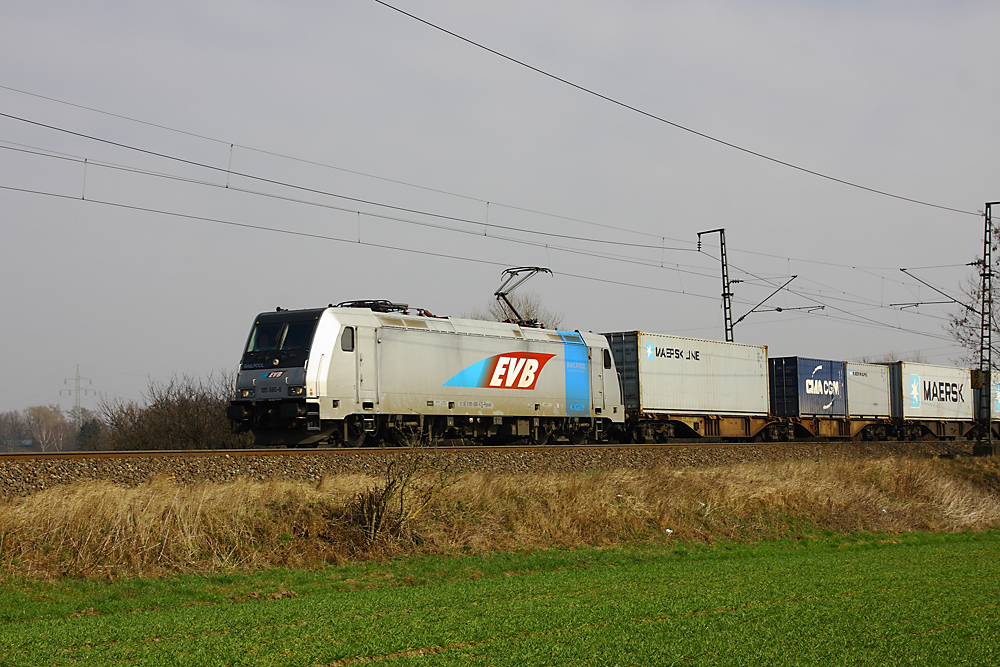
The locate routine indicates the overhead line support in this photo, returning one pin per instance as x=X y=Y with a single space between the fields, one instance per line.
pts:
x=727 y=295
x=986 y=385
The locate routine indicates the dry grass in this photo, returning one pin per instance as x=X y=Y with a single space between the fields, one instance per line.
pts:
x=96 y=529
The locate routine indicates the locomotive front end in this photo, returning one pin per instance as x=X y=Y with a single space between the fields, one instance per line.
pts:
x=271 y=395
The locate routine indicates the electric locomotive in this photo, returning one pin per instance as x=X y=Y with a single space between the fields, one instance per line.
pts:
x=373 y=372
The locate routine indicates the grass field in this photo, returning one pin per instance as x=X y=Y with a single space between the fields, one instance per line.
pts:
x=911 y=599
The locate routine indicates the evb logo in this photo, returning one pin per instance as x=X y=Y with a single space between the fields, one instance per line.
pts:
x=512 y=370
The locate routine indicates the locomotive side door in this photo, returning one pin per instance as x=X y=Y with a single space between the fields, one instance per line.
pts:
x=597 y=367
x=367 y=365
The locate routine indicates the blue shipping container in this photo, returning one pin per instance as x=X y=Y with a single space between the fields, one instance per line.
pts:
x=807 y=387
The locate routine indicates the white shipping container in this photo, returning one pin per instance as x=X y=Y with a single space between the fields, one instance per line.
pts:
x=868 y=390
x=923 y=391
x=671 y=374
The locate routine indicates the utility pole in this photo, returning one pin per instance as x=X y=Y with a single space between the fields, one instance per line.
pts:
x=985 y=341
x=727 y=296
x=76 y=391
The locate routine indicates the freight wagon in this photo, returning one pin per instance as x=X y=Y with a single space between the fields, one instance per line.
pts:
x=931 y=399
x=687 y=387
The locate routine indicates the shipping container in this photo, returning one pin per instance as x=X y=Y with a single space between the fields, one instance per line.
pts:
x=923 y=391
x=802 y=387
x=668 y=374
x=868 y=393
x=994 y=399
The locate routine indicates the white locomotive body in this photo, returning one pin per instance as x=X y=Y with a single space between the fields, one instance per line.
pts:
x=340 y=375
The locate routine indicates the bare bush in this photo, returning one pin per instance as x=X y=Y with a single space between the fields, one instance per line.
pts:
x=182 y=413
x=385 y=510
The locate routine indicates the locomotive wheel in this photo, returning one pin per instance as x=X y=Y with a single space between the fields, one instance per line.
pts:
x=578 y=437
x=541 y=436
x=397 y=437
x=355 y=435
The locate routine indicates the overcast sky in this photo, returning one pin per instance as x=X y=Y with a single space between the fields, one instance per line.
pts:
x=328 y=114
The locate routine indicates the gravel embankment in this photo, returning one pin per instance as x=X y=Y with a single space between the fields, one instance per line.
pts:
x=20 y=477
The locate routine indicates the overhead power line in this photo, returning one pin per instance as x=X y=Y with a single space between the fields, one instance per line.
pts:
x=358 y=200
x=661 y=119
x=324 y=237
x=864 y=321
x=293 y=158
x=285 y=156
x=673 y=266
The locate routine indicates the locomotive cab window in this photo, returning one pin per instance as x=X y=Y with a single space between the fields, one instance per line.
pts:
x=274 y=336
x=607 y=359
x=347 y=340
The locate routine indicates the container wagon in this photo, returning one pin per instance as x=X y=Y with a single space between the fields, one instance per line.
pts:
x=928 y=399
x=686 y=387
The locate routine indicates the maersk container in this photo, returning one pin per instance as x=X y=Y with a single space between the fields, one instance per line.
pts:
x=923 y=391
x=802 y=387
x=668 y=374
x=868 y=393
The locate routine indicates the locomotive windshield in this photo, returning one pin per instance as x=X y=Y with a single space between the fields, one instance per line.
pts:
x=274 y=336
x=281 y=338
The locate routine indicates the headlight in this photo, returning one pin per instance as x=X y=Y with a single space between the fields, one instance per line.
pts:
x=246 y=393
x=296 y=391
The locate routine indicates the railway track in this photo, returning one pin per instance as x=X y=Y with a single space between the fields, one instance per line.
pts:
x=25 y=473
x=954 y=447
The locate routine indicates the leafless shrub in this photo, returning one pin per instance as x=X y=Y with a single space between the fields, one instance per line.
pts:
x=386 y=509
x=182 y=413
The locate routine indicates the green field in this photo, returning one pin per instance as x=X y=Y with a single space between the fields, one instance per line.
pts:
x=915 y=599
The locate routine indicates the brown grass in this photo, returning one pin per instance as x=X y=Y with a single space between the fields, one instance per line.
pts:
x=95 y=529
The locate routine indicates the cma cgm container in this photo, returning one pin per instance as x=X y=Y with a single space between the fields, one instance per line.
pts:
x=868 y=393
x=923 y=391
x=803 y=387
x=674 y=375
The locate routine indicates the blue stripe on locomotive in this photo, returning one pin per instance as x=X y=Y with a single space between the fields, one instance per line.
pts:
x=577 y=374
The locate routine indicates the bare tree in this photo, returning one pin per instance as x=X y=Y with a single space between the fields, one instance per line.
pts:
x=528 y=304
x=13 y=430
x=48 y=427
x=964 y=322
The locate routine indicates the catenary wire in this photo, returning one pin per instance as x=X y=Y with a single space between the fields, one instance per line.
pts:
x=446 y=192
x=867 y=322
x=344 y=169
x=661 y=119
x=333 y=238
x=673 y=266
x=272 y=181
x=48 y=153
x=229 y=172
x=823 y=298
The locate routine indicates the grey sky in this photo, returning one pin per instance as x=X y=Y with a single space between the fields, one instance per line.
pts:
x=897 y=96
